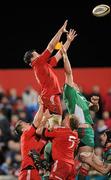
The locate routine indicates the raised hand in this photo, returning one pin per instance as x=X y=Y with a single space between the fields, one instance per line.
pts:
x=94 y=100
x=71 y=35
x=64 y=27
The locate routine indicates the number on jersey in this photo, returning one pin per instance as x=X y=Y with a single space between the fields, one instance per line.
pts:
x=72 y=139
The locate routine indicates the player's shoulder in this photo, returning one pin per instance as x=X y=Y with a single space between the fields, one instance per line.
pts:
x=59 y=128
x=68 y=86
x=45 y=53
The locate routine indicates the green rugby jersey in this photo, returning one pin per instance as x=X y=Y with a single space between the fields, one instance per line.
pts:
x=77 y=104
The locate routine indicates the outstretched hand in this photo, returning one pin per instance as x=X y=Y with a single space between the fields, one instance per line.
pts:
x=94 y=100
x=71 y=35
x=64 y=27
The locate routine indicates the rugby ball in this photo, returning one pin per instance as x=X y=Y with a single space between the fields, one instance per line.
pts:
x=101 y=10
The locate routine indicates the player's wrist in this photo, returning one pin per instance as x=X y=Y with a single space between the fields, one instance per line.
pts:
x=69 y=40
x=64 y=55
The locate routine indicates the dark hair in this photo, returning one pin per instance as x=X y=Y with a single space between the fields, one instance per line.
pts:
x=18 y=128
x=108 y=133
x=74 y=122
x=28 y=55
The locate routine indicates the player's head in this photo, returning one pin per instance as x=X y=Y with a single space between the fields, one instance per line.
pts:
x=105 y=137
x=54 y=120
x=20 y=127
x=71 y=121
x=30 y=56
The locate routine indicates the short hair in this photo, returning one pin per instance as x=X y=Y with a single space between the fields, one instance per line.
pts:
x=73 y=122
x=28 y=55
x=18 y=128
x=55 y=119
x=108 y=133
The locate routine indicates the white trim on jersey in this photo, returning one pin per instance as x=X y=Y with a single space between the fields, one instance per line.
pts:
x=55 y=166
x=52 y=99
x=28 y=175
x=58 y=178
x=79 y=113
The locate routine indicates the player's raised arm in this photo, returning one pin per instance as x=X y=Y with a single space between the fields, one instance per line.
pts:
x=67 y=67
x=102 y=168
x=39 y=115
x=43 y=122
x=70 y=37
x=94 y=104
x=57 y=37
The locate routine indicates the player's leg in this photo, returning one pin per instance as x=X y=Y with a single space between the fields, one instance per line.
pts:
x=29 y=174
x=53 y=103
x=56 y=104
x=47 y=152
x=35 y=175
x=73 y=173
x=60 y=170
x=22 y=175
x=86 y=146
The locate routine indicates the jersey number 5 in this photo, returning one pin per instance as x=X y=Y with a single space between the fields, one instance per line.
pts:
x=72 y=139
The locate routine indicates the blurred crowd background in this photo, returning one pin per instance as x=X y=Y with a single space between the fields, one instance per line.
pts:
x=24 y=107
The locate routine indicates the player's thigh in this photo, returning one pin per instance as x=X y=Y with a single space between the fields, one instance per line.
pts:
x=60 y=170
x=73 y=173
x=47 y=151
x=86 y=150
x=86 y=136
x=35 y=175
x=71 y=178
x=24 y=175
x=31 y=174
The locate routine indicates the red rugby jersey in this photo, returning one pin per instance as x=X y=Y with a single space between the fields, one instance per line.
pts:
x=45 y=74
x=28 y=142
x=64 y=142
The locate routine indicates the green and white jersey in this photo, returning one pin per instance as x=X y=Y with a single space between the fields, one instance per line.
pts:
x=77 y=104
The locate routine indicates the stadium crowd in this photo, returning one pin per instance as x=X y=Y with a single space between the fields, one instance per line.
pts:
x=14 y=108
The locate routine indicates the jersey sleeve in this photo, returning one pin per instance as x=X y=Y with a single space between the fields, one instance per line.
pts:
x=30 y=132
x=69 y=96
x=53 y=61
x=40 y=144
x=49 y=134
x=44 y=57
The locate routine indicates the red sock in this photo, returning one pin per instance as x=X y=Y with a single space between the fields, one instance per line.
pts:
x=83 y=171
